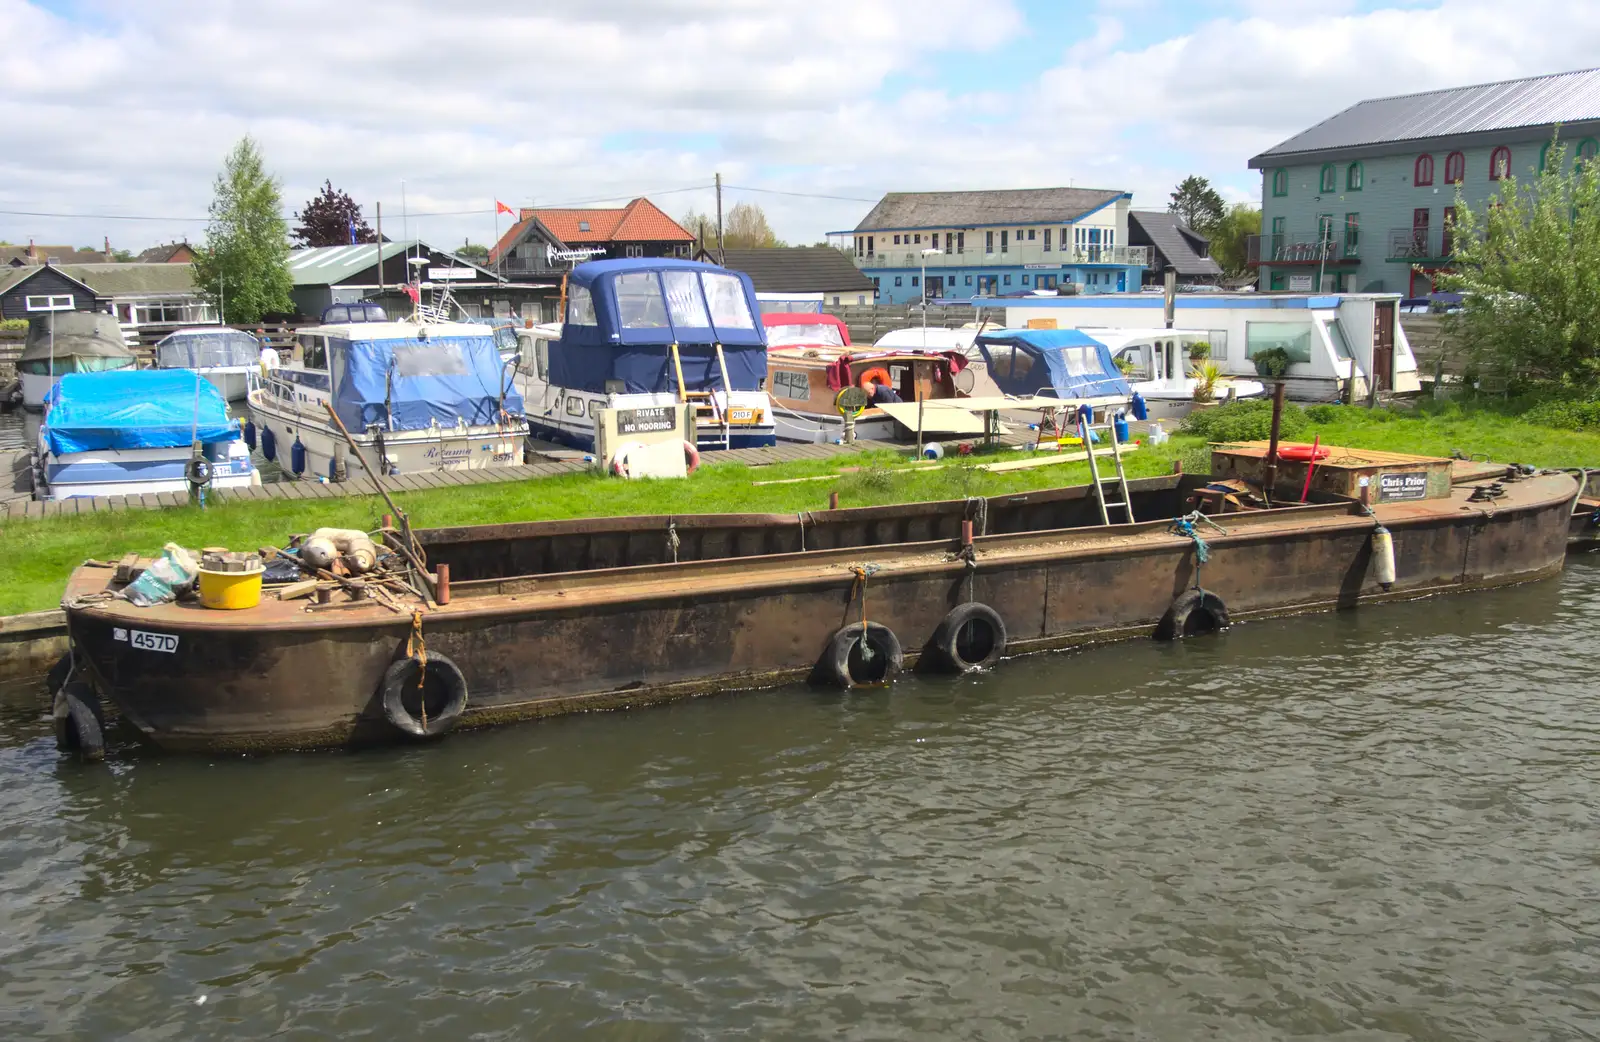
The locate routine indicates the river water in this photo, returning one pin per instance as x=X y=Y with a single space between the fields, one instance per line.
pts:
x=1368 y=825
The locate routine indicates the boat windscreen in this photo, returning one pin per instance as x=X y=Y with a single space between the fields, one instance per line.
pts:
x=809 y=334
x=225 y=347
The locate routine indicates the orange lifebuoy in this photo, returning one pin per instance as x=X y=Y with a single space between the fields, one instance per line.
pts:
x=877 y=374
x=1302 y=453
x=691 y=457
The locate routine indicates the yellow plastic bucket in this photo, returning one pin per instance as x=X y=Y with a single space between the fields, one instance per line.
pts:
x=230 y=590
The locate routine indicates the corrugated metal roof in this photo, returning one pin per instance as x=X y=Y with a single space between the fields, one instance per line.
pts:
x=1538 y=101
x=973 y=209
x=324 y=265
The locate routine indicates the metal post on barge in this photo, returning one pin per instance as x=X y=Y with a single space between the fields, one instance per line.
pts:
x=1270 y=481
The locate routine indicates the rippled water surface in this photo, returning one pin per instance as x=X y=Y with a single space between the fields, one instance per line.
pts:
x=1373 y=825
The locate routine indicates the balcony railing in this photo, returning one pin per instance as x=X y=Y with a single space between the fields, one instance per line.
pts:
x=1411 y=244
x=1028 y=254
x=526 y=266
x=1301 y=248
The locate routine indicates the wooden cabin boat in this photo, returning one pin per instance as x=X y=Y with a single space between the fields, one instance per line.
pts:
x=555 y=617
x=810 y=360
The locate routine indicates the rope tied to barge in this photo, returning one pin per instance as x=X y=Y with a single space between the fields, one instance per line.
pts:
x=862 y=573
x=1184 y=527
x=417 y=648
x=673 y=542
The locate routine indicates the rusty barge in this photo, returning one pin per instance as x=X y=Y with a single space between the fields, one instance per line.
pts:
x=546 y=618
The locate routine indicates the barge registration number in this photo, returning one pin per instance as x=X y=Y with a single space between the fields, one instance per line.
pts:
x=164 y=642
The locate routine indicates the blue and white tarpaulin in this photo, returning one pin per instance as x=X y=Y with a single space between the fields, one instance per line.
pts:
x=1072 y=363
x=409 y=384
x=135 y=409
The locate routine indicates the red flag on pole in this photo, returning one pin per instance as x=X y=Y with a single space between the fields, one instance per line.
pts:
x=500 y=208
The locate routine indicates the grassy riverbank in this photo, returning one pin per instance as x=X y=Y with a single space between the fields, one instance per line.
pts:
x=39 y=554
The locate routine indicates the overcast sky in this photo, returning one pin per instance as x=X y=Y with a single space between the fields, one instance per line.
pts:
x=126 y=107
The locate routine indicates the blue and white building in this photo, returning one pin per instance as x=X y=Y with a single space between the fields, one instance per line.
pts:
x=959 y=245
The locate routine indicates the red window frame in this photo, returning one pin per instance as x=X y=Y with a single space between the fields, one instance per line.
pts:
x=1499 y=163
x=1423 y=175
x=1455 y=168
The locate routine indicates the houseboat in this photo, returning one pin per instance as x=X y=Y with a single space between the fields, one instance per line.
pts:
x=1338 y=344
x=542 y=618
x=415 y=396
x=1157 y=365
x=228 y=358
x=62 y=342
x=810 y=361
x=133 y=431
x=648 y=333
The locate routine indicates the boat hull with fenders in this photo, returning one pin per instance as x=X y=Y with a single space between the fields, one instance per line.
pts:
x=555 y=617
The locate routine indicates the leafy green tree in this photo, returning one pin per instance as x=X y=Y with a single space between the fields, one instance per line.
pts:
x=1230 y=235
x=244 y=265
x=746 y=228
x=1528 y=266
x=473 y=252
x=1200 y=205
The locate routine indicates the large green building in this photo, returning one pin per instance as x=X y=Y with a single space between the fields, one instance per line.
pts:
x=1364 y=200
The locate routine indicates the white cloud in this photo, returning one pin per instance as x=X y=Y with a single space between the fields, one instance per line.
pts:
x=130 y=108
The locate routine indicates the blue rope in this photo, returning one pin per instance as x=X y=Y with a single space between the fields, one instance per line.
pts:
x=1185 y=528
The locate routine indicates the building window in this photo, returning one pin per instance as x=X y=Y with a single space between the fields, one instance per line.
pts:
x=917 y=238
x=916 y=280
x=897 y=280
x=1587 y=149
x=988 y=242
x=1424 y=173
x=969 y=280
x=877 y=283
x=1455 y=168
x=1330 y=178
x=1007 y=279
x=949 y=242
x=897 y=240
x=1448 y=247
x=1005 y=241
x=1499 y=163
x=1047 y=240
x=1063 y=238
x=869 y=246
x=961 y=242
x=1352 y=234
x=861 y=298
x=1352 y=177
x=835 y=301
x=1024 y=280
x=1280 y=182
x=583 y=226
x=1030 y=234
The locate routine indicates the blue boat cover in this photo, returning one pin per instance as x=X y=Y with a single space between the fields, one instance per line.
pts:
x=135 y=409
x=421 y=380
x=1075 y=364
x=623 y=315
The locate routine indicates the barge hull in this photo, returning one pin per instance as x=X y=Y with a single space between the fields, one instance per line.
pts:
x=540 y=645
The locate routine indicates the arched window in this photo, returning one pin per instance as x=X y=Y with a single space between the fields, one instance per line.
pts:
x=1330 y=178
x=1424 y=171
x=1352 y=177
x=1499 y=163
x=1544 y=152
x=1455 y=168
x=1280 y=182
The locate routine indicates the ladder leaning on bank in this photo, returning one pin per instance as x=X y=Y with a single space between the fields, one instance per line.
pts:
x=1124 y=502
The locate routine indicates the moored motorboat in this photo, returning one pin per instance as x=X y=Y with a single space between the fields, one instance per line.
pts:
x=129 y=432
x=62 y=342
x=544 y=618
x=229 y=359
x=416 y=396
x=1159 y=367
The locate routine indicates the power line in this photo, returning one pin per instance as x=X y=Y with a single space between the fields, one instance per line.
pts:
x=800 y=195
x=102 y=216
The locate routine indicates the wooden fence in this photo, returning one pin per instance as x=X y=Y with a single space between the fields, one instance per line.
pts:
x=868 y=322
x=1431 y=346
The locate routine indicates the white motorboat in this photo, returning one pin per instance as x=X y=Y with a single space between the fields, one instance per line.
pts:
x=229 y=359
x=1161 y=373
x=415 y=396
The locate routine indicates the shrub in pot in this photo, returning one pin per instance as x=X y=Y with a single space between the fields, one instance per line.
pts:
x=1199 y=351
x=1272 y=363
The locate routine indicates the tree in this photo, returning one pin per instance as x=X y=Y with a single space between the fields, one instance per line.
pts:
x=1230 y=237
x=243 y=267
x=1198 y=204
x=1528 y=267
x=332 y=218
x=746 y=228
x=473 y=252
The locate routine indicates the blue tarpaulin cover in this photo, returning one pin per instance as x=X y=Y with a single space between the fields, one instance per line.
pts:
x=135 y=409
x=440 y=378
x=1075 y=364
x=623 y=315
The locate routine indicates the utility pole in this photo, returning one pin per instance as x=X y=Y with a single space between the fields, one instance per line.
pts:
x=379 y=209
x=719 y=218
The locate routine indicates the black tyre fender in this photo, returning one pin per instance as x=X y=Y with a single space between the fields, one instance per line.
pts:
x=80 y=725
x=844 y=663
x=972 y=636
x=198 y=471
x=443 y=691
x=1192 y=613
x=56 y=678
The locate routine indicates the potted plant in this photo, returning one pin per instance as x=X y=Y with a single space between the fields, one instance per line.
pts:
x=1199 y=351
x=1272 y=363
x=1206 y=374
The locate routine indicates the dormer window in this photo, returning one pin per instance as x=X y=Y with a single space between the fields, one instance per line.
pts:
x=583 y=226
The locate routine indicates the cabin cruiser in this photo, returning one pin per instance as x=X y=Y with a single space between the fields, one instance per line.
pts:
x=1158 y=368
x=811 y=361
x=62 y=342
x=129 y=431
x=415 y=396
x=227 y=358
x=1065 y=364
x=646 y=333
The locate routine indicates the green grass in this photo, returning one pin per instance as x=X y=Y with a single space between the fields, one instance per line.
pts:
x=39 y=554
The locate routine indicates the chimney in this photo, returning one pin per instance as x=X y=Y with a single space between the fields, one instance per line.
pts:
x=108 y=249
x=33 y=254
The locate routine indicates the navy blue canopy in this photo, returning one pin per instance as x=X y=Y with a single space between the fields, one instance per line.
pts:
x=622 y=316
x=135 y=409
x=422 y=379
x=1070 y=362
